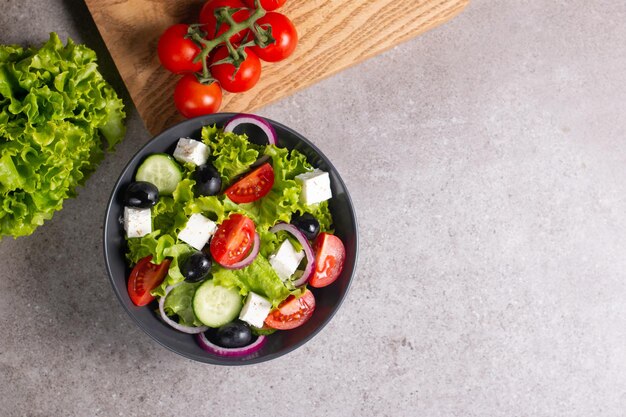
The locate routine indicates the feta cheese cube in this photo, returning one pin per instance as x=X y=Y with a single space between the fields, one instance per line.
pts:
x=315 y=187
x=193 y=151
x=197 y=231
x=255 y=310
x=286 y=260
x=137 y=221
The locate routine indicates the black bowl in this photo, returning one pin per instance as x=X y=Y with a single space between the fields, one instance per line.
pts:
x=328 y=299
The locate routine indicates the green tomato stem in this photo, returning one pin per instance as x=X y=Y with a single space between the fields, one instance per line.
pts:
x=235 y=27
x=231 y=50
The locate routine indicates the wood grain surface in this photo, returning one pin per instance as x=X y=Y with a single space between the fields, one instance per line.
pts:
x=334 y=34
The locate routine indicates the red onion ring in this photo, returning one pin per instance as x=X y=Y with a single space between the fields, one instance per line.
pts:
x=206 y=344
x=308 y=251
x=252 y=119
x=179 y=327
x=251 y=256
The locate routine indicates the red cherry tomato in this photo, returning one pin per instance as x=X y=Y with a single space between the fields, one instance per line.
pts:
x=232 y=240
x=232 y=79
x=268 y=5
x=253 y=186
x=207 y=18
x=192 y=98
x=292 y=312
x=177 y=53
x=284 y=34
x=330 y=255
x=145 y=277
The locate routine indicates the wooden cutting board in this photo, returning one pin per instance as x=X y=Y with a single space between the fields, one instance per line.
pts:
x=334 y=34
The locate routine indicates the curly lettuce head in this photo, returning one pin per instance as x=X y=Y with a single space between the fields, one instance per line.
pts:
x=57 y=115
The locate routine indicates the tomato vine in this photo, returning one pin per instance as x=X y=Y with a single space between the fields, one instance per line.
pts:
x=226 y=48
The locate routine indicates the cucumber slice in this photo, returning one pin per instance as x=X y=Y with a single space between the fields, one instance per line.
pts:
x=215 y=305
x=161 y=170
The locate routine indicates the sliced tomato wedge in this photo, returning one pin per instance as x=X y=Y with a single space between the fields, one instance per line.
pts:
x=330 y=255
x=292 y=312
x=144 y=278
x=232 y=240
x=253 y=186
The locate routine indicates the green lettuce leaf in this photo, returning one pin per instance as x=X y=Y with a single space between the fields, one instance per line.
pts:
x=232 y=154
x=258 y=277
x=262 y=331
x=179 y=302
x=57 y=115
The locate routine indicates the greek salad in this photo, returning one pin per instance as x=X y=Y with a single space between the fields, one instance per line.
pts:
x=228 y=237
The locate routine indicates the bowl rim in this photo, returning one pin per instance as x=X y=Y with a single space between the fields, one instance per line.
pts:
x=214 y=360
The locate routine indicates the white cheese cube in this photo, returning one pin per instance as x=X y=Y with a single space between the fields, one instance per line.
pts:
x=286 y=260
x=137 y=221
x=193 y=151
x=197 y=231
x=315 y=187
x=255 y=310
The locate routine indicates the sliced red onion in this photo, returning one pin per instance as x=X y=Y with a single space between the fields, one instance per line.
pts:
x=210 y=347
x=259 y=122
x=308 y=251
x=248 y=259
x=179 y=327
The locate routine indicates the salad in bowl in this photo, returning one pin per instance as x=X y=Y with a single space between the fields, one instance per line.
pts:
x=230 y=239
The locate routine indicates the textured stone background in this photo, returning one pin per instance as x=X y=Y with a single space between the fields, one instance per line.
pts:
x=487 y=162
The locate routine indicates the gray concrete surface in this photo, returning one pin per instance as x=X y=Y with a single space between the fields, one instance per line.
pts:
x=487 y=161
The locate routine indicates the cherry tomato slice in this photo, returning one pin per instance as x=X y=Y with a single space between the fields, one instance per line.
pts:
x=330 y=255
x=233 y=240
x=144 y=278
x=292 y=312
x=253 y=186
